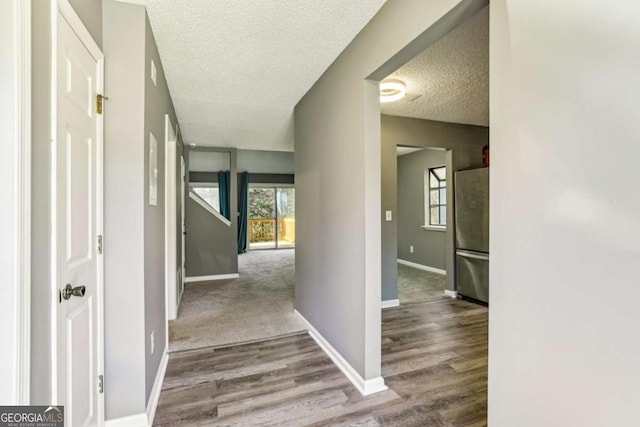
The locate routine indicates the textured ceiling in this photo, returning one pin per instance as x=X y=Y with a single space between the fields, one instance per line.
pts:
x=237 y=68
x=449 y=81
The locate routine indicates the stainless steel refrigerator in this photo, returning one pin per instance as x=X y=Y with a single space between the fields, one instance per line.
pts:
x=472 y=233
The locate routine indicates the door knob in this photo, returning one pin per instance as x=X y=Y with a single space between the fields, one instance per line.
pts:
x=70 y=291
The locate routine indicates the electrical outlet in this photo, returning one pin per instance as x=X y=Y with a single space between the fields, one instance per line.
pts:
x=153 y=341
x=411 y=249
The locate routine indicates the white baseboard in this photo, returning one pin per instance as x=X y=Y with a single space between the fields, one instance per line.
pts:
x=390 y=303
x=137 y=420
x=157 y=388
x=422 y=267
x=214 y=277
x=145 y=419
x=365 y=387
x=451 y=294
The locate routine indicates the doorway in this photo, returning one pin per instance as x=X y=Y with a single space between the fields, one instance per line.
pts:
x=172 y=272
x=442 y=108
x=272 y=217
x=422 y=188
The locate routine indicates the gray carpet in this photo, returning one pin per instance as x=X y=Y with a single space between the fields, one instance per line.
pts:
x=257 y=306
x=418 y=285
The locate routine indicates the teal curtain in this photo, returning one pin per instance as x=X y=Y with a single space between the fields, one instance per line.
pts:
x=224 y=191
x=243 y=211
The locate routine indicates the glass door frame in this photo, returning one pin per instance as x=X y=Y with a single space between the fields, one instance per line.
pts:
x=275 y=188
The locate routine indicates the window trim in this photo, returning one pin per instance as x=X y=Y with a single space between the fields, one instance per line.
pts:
x=199 y=200
x=429 y=226
x=434 y=227
x=193 y=185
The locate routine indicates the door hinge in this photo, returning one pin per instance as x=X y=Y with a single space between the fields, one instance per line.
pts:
x=99 y=99
x=99 y=244
x=100 y=384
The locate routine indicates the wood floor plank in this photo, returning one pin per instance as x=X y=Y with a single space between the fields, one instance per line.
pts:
x=434 y=361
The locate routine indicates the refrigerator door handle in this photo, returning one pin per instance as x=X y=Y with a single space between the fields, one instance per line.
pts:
x=474 y=255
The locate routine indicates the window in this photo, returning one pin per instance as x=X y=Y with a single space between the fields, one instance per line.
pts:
x=435 y=196
x=208 y=192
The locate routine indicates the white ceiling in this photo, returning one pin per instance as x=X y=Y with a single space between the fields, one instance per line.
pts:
x=237 y=68
x=449 y=81
x=402 y=150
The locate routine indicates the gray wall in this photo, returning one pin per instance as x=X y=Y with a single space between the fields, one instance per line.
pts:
x=565 y=214
x=429 y=246
x=158 y=104
x=254 y=178
x=258 y=161
x=41 y=210
x=208 y=177
x=271 y=178
x=206 y=254
x=90 y=12
x=255 y=161
x=211 y=246
x=134 y=230
x=209 y=161
x=125 y=318
x=124 y=259
x=464 y=144
x=337 y=141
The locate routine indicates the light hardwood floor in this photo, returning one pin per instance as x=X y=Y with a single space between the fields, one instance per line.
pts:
x=434 y=361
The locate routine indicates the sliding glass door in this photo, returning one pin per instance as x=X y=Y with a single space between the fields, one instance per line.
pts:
x=286 y=217
x=271 y=217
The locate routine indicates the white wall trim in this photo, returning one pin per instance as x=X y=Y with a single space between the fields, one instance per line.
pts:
x=15 y=193
x=183 y=201
x=440 y=228
x=451 y=294
x=422 y=267
x=137 y=420
x=23 y=243
x=389 y=303
x=157 y=388
x=170 y=215
x=53 y=191
x=78 y=27
x=214 y=277
x=208 y=207
x=365 y=387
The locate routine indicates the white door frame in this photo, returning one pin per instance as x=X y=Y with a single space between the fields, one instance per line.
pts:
x=170 y=214
x=183 y=201
x=15 y=125
x=68 y=13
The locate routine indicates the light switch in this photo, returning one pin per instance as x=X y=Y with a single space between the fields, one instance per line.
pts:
x=388 y=215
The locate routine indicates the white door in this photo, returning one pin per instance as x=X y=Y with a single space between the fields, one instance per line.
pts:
x=78 y=201
x=182 y=221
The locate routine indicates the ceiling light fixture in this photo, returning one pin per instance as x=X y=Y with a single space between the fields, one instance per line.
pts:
x=392 y=90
